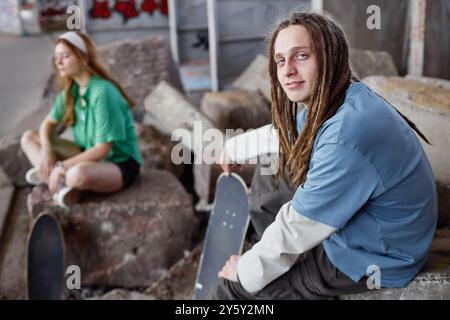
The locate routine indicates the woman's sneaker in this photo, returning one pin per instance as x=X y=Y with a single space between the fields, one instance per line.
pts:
x=33 y=177
x=67 y=197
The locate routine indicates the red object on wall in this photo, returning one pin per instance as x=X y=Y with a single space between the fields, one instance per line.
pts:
x=127 y=8
x=164 y=8
x=100 y=9
x=149 y=6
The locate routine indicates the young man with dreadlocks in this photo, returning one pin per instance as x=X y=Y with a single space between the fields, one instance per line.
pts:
x=358 y=193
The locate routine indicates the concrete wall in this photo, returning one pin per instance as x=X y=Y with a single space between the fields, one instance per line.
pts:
x=437 y=39
x=243 y=26
x=242 y=29
x=108 y=24
x=393 y=35
x=192 y=30
x=9 y=17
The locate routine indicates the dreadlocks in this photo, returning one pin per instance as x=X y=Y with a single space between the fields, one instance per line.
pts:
x=334 y=77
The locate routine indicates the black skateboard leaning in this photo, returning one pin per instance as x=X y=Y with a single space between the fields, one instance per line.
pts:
x=226 y=231
x=45 y=259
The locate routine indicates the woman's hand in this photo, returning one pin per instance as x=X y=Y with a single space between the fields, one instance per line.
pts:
x=48 y=160
x=56 y=178
x=229 y=270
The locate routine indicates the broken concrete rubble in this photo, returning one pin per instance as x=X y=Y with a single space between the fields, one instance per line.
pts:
x=169 y=111
x=255 y=77
x=156 y=149
x=158 y=213
x=173 y=114
x=178 y=283
x=121 y=294
x=368 y=63
x=127 y=239
x=236 y=109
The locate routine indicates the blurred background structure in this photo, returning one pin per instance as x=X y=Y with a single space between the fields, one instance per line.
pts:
x=213 y=41
x=227 y=34
x=186 y=60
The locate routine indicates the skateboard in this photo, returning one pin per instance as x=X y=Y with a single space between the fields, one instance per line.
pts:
x=225 y=233
x=45 y=259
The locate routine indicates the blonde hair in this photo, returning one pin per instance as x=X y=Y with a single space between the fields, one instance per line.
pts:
x=94 y=66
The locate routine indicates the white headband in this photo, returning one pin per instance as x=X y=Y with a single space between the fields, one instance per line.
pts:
x=74 y=39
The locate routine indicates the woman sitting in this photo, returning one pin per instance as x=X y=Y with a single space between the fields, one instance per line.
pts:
x=105 y=156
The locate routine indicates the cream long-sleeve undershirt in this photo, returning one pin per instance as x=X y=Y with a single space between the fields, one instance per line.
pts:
x=290 y=235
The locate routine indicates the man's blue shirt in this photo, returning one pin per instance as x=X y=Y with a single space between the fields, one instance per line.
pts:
x=370 y=178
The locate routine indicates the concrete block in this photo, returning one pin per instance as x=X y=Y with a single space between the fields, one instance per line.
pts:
x=156 y=149
x=121 y=294
x=426 y=286
x=168 y=110
x=255 y=77
x=179 y=282
x=4 y=180
x=236 y=109
x=368 y=62
x=6 y=194
x=443 y=204
x=126 y=239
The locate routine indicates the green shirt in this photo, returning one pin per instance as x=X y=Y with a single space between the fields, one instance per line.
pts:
x=106 y=117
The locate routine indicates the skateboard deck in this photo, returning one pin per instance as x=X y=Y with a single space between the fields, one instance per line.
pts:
x=45 y=259
x=225 y=233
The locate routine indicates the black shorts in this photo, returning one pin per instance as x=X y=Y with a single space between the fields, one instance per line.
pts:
x=130 y=171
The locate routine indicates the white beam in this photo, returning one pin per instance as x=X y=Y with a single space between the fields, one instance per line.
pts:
x=83 y=17
x=417 y=11
x=317 y=6
x=213 y=36
x=173 y=30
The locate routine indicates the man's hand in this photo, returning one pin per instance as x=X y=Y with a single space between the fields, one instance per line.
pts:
x=229 y=270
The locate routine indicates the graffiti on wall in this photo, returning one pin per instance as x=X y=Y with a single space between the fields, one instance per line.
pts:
x=128 y=9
